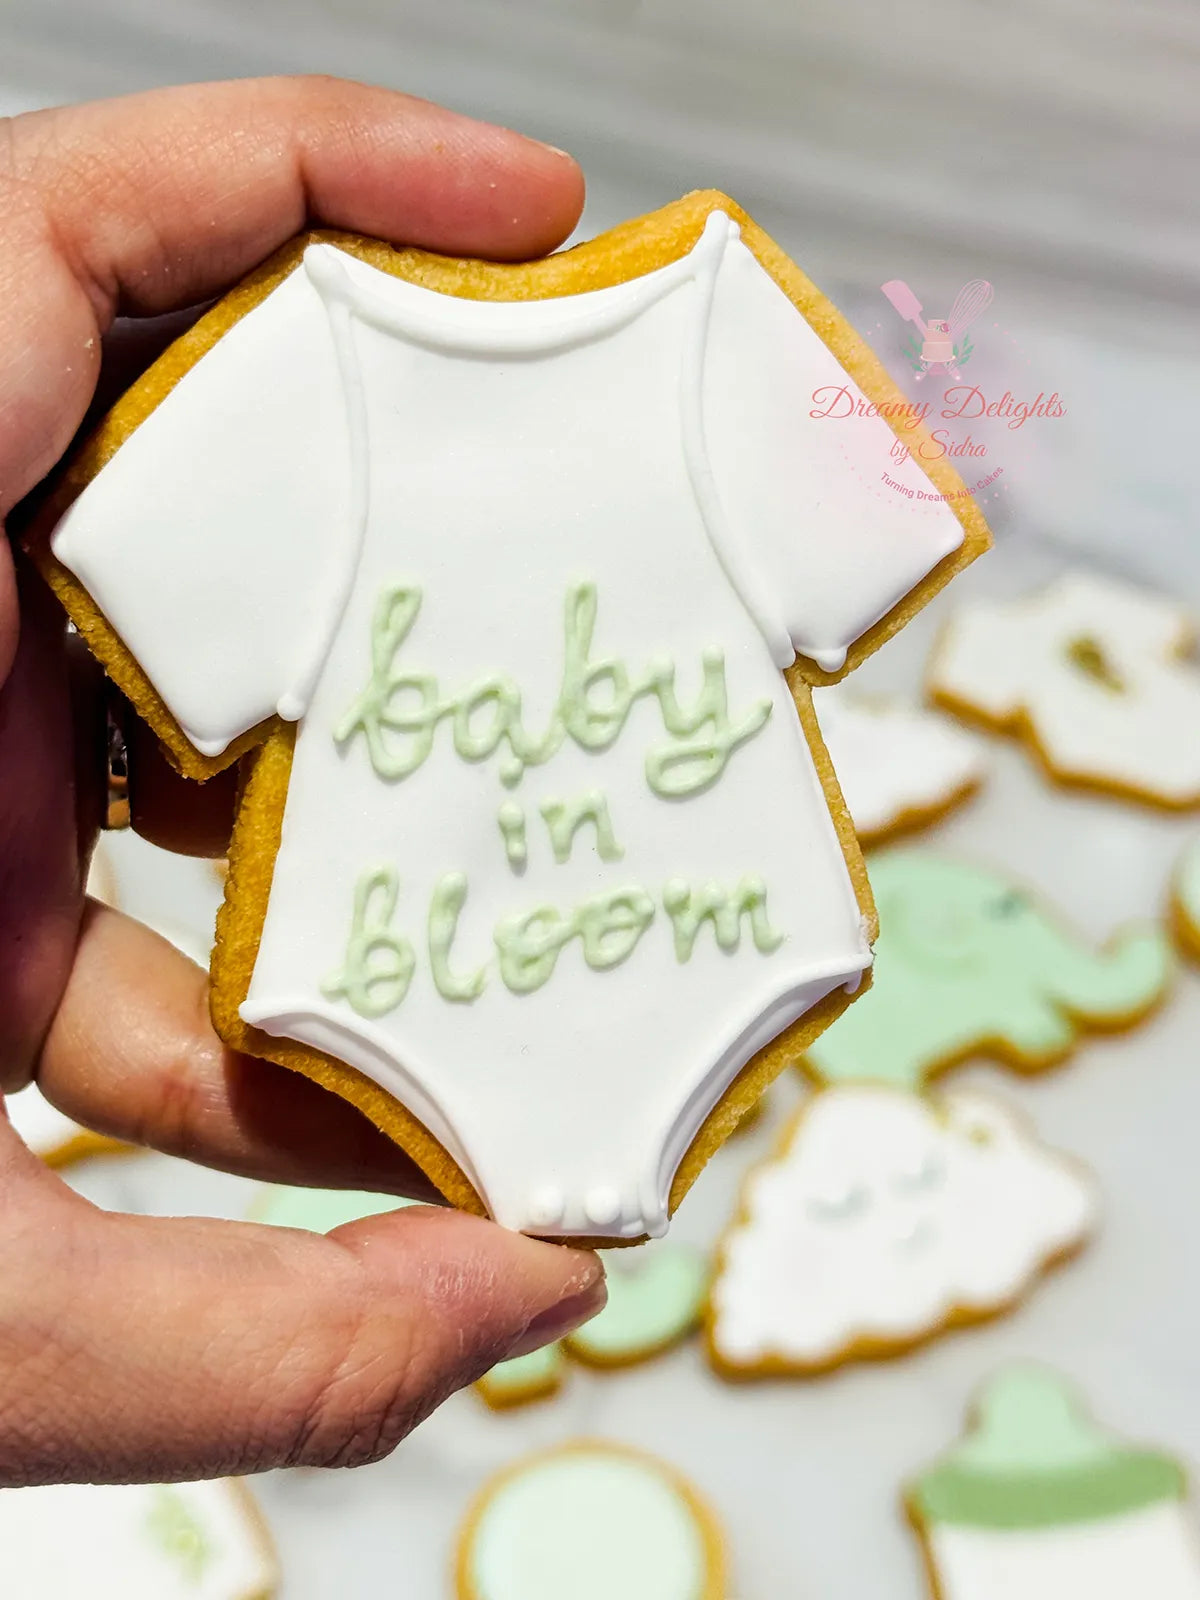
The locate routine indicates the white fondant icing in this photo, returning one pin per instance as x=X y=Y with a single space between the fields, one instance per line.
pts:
x=1151 y=1552
x=893 y=761
x=183 y=1541
x=886 y=1212
x=1094 y=667
x=652 y=438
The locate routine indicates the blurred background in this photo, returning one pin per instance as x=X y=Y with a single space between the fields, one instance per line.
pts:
x=1051 y=147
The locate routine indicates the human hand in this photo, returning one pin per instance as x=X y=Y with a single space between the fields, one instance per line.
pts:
x=145 y=1348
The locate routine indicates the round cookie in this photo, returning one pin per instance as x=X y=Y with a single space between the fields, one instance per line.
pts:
x=532 y=1531
x=534 y=814
x=1040 y=1502
x=180 y=1541
x=900 y=768
x=655 y=1299
x=1091 y=674
x=968 y=963
x=884 y=1219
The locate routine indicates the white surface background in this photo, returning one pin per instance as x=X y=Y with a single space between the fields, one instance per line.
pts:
x=1053 y=148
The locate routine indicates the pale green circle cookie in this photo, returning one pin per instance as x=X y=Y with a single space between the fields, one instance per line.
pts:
x=533 y=1533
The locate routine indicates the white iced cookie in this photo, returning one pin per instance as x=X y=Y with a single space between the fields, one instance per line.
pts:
x=1089 y=672
x=532 y=1532
x=180 y=1541
x=426 y=515
x=887 y=1217
x=899 y=768
x=1040 y=1503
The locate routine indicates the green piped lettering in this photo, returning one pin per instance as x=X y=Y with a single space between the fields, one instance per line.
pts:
x=564 y=818
x=379 y=964
x=398 y=711
x=688 y=905
x=447 y=902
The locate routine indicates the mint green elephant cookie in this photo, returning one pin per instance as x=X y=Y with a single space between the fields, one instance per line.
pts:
x=968 y=963
x=654 y=1300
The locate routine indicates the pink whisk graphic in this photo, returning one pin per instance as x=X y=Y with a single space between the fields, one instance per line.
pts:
x=940 y=334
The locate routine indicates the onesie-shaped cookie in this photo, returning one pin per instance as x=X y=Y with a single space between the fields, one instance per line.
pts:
x=899 y=768
x=1089 y=672
x=177 y=1541
x=510 y=582
x=885 y=1218
x=967 y=964
x=590 y=1521
x=1039 y=1502
x=654 y=1302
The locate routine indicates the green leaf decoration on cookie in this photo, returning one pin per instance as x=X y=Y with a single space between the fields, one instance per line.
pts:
x=175 y=1531
x=968 y=963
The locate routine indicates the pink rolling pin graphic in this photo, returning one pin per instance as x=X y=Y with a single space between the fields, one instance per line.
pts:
x=940 y=334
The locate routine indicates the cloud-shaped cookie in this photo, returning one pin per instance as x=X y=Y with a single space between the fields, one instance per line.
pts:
x=885 y=1218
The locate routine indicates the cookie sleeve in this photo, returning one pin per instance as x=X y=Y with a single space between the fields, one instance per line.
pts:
x=804 y=494
x=209 y=536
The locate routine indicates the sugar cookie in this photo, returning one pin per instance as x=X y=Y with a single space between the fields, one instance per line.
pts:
x=179 y=1541
x=654 y=1301
x=967 y=963
x=1185 y=901
x=1089 y=672
x=590 y=1521
x=900 y=768
x=536 y=1376
x=886 y=1218
x=1040 y=1502
x=426 y=516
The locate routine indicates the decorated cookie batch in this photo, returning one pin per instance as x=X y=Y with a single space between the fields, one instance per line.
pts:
x=608 y=797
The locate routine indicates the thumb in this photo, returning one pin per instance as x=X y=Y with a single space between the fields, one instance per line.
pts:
x=138 y=1348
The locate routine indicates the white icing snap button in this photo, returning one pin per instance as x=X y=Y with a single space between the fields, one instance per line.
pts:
x=546 y=1207
x=602 y=1205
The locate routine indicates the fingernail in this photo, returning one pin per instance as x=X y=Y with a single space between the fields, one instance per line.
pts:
x=554 y=150
x=562 y=1318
